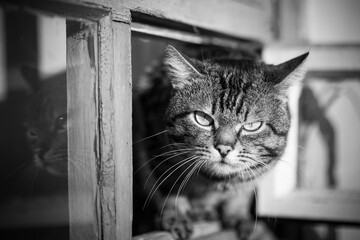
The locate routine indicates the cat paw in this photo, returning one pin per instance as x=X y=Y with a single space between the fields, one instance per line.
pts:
x=203 y=214
x=179 y=225
x=247 y=229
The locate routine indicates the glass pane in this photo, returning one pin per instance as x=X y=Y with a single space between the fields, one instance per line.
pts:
x=33 y=126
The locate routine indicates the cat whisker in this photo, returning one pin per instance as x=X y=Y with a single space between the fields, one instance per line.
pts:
x=186 y=179
x=243 y=182
x=154 y=135
x=173 y=156
x=254 y=175
x=301 y=147
x=17 y=170
x=172 y=144
x=78 y=163
x=156 y=185
x=79 y=166
x=24 y=181
x=259 y=171
x=256 y=162
x=174 y=151
x=174 y=184
x=199 y=169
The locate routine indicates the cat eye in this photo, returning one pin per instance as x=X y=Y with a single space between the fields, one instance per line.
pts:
x=31 y=133
x=203 y=119
x=252 y=127
x=61 y=123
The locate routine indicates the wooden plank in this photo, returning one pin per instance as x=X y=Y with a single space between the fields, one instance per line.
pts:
x=183 y=36
x=106 y=128
x=122 y=129
x=235 y=18
x=242 y=19
x=82 y=131
x=66 y=8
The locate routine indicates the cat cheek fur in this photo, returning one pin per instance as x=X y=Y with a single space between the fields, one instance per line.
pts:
x=186 y=131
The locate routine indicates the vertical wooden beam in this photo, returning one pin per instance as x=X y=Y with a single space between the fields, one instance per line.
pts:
x=81 y=56
x=115 y=145
x=100 y=138
x=122 y=126
x=107 y=130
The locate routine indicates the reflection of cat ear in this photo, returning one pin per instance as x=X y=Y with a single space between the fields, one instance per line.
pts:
x=31 y=76
x=180 y=68
x=288 y=73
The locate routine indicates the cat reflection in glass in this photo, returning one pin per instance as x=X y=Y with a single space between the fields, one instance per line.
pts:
x=46 y=121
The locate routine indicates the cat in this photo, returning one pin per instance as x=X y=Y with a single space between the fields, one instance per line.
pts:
x=225 y=123
x=46 y=121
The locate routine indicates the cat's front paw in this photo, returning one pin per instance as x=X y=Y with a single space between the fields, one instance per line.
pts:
x=203 y=214
x=248 y=229
x=178 y=224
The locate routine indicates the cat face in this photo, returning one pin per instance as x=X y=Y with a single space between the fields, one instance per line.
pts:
x=46 y=125
x=232 y=114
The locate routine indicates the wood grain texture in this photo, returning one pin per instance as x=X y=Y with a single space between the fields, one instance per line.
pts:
x=102 y=134
x=106 y=130
x=243 y=19
x=122 y=129
x=82 y=132
x=235 y=18
x=153 y=31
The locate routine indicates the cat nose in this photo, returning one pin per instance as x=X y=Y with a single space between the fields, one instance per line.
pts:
x=223 y=149
x=39 y=152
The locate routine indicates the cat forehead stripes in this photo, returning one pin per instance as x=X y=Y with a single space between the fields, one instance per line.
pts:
x=231 y=84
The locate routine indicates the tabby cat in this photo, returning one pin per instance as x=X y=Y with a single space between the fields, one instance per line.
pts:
x=46 y=121
x=225 y=123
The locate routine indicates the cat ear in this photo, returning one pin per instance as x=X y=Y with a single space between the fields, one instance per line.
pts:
x=181 y=70
x=288 y=73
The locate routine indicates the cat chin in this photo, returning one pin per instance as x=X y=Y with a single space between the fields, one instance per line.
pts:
x=218 y=172
x=216 y=176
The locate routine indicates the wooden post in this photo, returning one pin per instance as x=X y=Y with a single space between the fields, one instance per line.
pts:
x=82 y=130
x=122 y=126
x=100 y=139
x=115 y=183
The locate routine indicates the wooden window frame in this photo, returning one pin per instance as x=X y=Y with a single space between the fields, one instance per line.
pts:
x=103 y=145
x=103 y=103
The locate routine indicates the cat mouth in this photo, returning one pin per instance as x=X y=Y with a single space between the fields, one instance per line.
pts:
x=224 y=171
x=57 y=168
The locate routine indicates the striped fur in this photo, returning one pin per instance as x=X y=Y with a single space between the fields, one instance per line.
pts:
x=200 y=115
x=233 y=93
